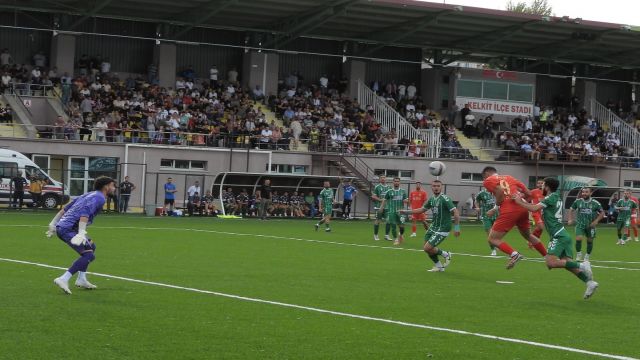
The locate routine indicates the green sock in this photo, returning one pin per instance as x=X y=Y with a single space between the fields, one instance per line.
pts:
x=387 y=228
x=572 y=265
x=401 y=230
x=624 y=237
x=394 y=231
x=434 y=258
x=376 y=228
x=578 y=246
x=589 y=247
x=439 y=252
x=582 y=276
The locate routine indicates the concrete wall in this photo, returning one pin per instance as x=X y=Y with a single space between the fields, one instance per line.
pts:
x=261 y=68
x=43 y=113
x=63 y=52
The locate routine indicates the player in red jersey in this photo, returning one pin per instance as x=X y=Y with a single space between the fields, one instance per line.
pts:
x=417 y=198
x=634 y=220
x=536 y=197
x=504 y=188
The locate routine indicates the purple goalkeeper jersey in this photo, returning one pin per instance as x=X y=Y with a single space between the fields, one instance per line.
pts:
x=88 y=205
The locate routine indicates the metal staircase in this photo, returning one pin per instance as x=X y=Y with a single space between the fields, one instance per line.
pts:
x=389 y=118
x=628 y=135
x=353 y=167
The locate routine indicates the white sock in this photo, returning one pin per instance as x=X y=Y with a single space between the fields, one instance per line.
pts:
x=514 y=253
x=82 y=275
x=66 y=276
x=439 y=264
x=445 y=254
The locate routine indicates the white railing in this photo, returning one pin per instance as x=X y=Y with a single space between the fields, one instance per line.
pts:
x=628 y=135
x=389 y=118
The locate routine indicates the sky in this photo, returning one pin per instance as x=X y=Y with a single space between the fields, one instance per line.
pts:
x=626 y=12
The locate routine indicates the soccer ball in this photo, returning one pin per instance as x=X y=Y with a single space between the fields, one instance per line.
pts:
x=437 y=168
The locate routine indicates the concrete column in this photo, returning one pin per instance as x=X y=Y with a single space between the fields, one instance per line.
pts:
x=585 y=90
x=354 y=70
x=165 y=57
x=261 y=68
x=63 y=53
x=430 y=80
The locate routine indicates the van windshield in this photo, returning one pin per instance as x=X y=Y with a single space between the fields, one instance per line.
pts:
x=34 y=172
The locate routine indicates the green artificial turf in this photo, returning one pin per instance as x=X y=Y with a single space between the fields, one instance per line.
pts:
x=272 y=260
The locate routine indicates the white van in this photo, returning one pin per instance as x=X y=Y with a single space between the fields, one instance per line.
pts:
x=12 y=163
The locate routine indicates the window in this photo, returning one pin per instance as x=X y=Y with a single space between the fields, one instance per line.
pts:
x=471 y=177
x=288 y=169
x=183 y=164
x=520 y=92
x=495 y=90
x=632 y=184
x=8 y=169
x=468 y=88
x=391 y=173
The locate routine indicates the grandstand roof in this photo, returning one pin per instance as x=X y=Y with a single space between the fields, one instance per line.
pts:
x=451 y=32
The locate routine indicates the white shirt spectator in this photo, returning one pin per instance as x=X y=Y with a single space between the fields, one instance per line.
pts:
x=188 y=84
x=173 y=123
x=411 y=91
x=526 y=148
x=528 y=125
x=572 y=119
x=402 y=90
x=6 y=79
x=193 y=189
x=105 y=67
x=180 y=84
x=95 y=86
x=36 y=73
x=231 y=89
x=536 y=110
x=291 y=93
x=232 y=75
x=101 y=128
x=213 y=74
x=265 y=135
x=324 y=82
x=410 y=107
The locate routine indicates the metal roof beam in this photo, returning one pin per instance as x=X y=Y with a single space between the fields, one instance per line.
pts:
x=99 y=6
x=211 y=11
x=503 y=34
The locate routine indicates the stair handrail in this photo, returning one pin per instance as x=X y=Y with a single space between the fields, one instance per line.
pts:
x=628 y=135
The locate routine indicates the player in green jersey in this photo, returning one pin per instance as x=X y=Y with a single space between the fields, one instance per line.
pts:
x=393 y=202
x=379 y=191
x=560 y=251
x=326 y=206
x=443 y=211
x=625 y=207
x=485 y=203
x=589 y=214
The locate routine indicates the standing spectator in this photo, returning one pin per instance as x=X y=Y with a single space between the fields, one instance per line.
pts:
x=470 y=205
x=18 y=182
x=232 y=75
x=213 y=76
x=86 y=106
x=125 y=189
x=463 y=114
x=169 y=196
x=101 y=130
x=112 y=198
x=35 y=189
x=349 y=192
x=411 y=91
x=310 y=200
x=5 y=58
x=39 y=60
x=265 y=203
x=195 y=188
x=105 y=66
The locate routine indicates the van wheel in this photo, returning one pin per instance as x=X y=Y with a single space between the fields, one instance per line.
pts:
x=50 y=201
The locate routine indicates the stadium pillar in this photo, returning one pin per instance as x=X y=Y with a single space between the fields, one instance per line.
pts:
x=436 y=86
x=261 y=68
x=585 y=90
x=354 y=70
x=63 y=52
x=165 y=57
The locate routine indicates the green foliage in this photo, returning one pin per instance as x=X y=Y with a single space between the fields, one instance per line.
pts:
x=536 y=7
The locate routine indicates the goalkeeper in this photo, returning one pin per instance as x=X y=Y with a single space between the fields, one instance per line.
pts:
x=70 y=224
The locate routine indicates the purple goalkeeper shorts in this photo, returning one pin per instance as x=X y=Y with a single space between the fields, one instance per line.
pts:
x=67 y=234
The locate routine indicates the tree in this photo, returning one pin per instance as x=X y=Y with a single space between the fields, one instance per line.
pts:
x=536 y=7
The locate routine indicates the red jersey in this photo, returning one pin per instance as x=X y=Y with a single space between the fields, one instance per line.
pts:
x=536 y=197
x=417 y=198
x=635 y=200
x=509 y=186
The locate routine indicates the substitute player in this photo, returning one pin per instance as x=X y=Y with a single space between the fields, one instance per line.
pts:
x=589 y=214
x=70 y=225
x=394 y=201
x=378 y=194
x=417 y=198
x=486 y=207
x=634 y=219
x=326 y=206
x=625 y=207
x=560 y=247
x=504 y=187
x=443 y=210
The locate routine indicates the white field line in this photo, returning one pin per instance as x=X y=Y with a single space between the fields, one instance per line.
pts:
x=335 y=243
x=338 y=313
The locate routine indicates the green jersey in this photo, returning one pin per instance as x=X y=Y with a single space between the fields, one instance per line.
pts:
x=326 y=197
x=380 y=191
x=588 y=210
x=625 y=209
x=395 y=200
x=486 y=202
x=441 y=207
x=552 y=214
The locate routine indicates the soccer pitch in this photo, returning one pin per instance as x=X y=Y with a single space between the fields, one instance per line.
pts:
x=202 y=288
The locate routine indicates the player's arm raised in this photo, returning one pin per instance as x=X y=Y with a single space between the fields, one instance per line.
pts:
x=531 y=207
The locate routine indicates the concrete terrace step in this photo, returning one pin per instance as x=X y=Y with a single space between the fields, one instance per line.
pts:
x=473 y=145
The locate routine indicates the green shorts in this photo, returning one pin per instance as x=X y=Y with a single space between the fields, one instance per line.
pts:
x=395 y=218
x=381 y=215
x=327 y=210
x=623 y=223
x=435 y=238
x=488 y=224
x=585 y=231
x=561 y=245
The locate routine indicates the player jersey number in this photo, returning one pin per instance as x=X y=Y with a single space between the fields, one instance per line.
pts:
x=505 y=187
x=559 y=211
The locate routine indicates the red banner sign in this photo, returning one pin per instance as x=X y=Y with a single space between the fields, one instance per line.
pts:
x=500 y=75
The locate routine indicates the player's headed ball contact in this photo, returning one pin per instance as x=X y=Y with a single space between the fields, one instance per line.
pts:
x=437 y=168
x=101 y=182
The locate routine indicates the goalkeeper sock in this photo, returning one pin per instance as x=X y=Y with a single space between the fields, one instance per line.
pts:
x=589 y=247
x=82 y=276
x=578 y=246
x=376 y=228
x=66 y=276
x=82 y=263
x=387 y=228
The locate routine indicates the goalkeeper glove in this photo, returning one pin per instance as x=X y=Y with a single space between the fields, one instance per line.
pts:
x=80 y=238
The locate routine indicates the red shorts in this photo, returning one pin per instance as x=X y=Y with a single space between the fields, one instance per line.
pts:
x=634 y=220
x=537 y=218
x=511 y=217
x=419 y=217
